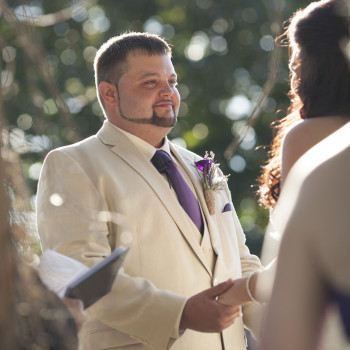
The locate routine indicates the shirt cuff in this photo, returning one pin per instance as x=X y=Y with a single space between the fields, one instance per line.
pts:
x=177 y=333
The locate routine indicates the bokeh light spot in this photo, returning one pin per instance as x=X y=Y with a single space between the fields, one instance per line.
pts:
x=200 y=131
x=50 y=107
x=56 y=200
x=197 y=47
x=267 y=43
x=238 y=107
x=8 y=54
x=237 y=163
x=25 y=121
x=34 y=170
x=68 y=57
x=219 y=44
x=220 y=26
x=153 y=25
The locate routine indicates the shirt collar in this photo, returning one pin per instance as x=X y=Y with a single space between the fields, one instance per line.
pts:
x=143 y=146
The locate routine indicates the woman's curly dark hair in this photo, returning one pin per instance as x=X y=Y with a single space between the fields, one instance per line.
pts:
x=319 y=79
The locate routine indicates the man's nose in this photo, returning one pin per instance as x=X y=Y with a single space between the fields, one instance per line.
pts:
x=166 y=90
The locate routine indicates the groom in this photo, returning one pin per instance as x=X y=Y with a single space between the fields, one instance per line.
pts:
x=90 y=190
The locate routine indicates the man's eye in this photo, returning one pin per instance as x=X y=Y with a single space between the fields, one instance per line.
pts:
x=173 y=82
x=150 y=82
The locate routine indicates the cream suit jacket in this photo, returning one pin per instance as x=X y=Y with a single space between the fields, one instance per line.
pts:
x=105 y=183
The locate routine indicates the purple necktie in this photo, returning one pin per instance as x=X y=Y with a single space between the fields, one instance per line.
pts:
x=188 y=201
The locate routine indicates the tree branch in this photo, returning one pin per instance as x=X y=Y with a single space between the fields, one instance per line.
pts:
x=274 y=62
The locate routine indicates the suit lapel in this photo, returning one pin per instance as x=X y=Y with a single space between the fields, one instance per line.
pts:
x=126 y=150
x=187 y=161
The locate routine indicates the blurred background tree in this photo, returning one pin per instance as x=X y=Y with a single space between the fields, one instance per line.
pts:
x=232 y=81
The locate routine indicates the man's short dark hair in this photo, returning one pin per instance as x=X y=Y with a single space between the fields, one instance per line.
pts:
x=112 y=54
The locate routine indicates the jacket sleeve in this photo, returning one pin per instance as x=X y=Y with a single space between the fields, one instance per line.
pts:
x=71 y=219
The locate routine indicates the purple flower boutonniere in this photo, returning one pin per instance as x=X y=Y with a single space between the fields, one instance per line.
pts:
x=212 y=181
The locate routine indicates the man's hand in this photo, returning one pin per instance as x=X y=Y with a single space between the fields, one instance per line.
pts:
x=203 y=313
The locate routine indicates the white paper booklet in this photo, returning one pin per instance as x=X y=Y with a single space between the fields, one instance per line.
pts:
x=68 y=277
x=57 y=271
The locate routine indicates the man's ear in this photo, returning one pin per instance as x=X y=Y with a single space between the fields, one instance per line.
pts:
x=108 y=93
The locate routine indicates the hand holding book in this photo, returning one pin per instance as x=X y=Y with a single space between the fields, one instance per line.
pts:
x=70 y=278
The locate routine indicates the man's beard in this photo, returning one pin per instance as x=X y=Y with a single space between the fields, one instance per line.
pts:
x=163 y=122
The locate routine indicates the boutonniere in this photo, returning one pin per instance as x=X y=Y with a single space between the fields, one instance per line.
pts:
x=212 y=181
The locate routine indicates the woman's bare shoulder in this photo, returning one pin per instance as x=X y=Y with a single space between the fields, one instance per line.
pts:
x=303 y=135
x=308 y=132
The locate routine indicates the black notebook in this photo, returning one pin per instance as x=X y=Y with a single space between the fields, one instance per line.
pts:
x=97 y=281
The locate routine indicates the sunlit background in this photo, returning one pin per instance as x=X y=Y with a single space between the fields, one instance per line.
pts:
x=222 y=52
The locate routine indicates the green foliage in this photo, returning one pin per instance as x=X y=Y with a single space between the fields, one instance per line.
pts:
x=221 y=51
